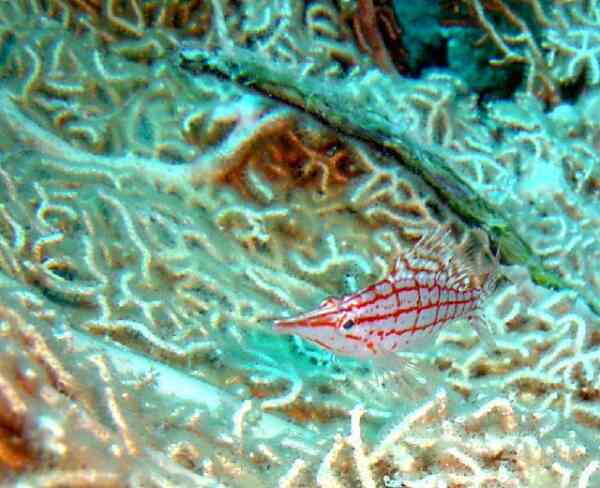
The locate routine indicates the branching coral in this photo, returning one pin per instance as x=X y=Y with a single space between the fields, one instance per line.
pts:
x=51 y=418
x=60 y=431
x=456 y=451
x=554 y=194
x=547 y=355
x=557 y=43
x=100 y=248
x=438 y=111
x=366 y=22
x=55 y=74
x=136 y=246
x=518 y=43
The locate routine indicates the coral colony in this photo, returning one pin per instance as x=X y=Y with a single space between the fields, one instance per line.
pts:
x=175 y=176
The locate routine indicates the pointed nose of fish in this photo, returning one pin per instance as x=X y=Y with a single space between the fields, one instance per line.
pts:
x=316 y=319
x=285 y=326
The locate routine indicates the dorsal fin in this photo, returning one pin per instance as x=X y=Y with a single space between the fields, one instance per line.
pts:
x=437 y=242
x=477 y=260
x=432 y=252
x=437 y=251
x=329 y=302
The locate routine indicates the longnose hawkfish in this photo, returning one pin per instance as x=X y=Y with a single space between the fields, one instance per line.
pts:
x=429 y=287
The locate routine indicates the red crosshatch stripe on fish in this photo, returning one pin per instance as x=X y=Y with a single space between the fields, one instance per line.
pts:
x=405 y=311
x=429 y=287
x=372 y=319
x=402 y=311
x=353 y=337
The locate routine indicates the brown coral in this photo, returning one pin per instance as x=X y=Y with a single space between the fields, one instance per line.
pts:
x=373 y=25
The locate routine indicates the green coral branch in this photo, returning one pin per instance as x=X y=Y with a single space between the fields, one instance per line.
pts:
x=335 y=105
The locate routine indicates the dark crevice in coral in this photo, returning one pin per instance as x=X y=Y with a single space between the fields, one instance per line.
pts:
x=570 y=92
x=6 y=46
x=433 y=56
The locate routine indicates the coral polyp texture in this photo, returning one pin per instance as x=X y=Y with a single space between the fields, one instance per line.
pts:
x=156 y=217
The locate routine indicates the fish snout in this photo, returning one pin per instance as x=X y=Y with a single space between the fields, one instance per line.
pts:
x=303 y=324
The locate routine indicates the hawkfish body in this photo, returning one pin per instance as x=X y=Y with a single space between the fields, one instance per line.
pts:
x=429 y=287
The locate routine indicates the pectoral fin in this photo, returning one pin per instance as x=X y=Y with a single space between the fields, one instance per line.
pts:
x=416 y=379
x=484 y=331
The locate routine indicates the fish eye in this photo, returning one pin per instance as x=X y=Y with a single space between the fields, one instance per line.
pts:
x=348 y=324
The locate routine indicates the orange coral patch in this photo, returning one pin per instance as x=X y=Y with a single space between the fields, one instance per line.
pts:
x=13 y=452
